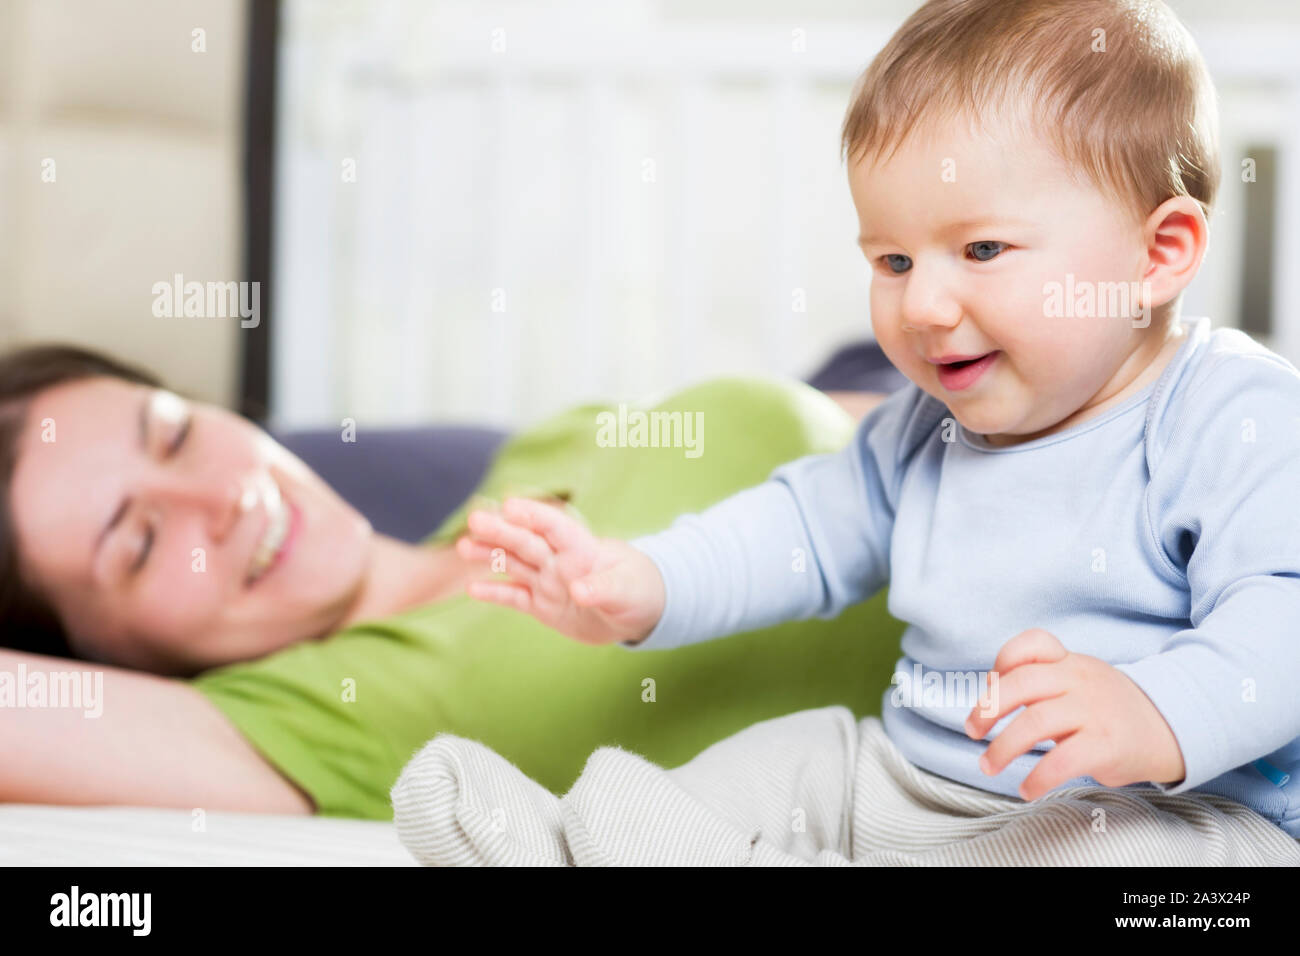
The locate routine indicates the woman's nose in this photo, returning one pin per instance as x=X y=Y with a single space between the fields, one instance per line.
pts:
x=221 y=499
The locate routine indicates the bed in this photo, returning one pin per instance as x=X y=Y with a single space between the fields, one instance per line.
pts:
x=139 y=836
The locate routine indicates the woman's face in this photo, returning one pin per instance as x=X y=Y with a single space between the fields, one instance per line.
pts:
x=172 y=536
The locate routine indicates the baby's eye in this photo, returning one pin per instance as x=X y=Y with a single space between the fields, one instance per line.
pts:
x=896 y=262
x=986 y=249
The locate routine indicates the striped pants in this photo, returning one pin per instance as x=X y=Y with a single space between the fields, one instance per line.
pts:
x=812 y=788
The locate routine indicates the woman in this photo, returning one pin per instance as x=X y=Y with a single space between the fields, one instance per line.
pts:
x=168 y=538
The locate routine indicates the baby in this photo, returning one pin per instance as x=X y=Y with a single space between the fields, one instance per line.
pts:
x=1083 y=503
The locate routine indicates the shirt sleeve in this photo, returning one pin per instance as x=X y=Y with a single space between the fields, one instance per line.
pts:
x=339 y=717
x=810 y=541
x=1223 y=509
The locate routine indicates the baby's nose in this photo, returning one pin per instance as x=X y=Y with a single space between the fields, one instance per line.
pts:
x=928 y=302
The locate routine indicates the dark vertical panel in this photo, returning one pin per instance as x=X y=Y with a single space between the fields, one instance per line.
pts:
x=1256 y=302
x=259 y=167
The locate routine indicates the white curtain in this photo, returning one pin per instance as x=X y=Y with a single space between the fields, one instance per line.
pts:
x=488 y=213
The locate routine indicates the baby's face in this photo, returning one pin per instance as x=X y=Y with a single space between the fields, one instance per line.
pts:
x=967 y=236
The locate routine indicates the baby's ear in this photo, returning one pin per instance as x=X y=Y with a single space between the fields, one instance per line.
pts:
x=1176 y=235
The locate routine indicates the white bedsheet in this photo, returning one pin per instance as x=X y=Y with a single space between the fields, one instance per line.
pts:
x=141 y=836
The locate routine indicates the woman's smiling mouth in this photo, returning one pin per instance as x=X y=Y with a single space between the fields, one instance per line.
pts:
x=281 y=521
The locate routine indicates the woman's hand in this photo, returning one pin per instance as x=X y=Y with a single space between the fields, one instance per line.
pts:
x=1103 y=724
x=595 y=590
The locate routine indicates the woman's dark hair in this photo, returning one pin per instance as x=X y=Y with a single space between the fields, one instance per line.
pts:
x=27 y=620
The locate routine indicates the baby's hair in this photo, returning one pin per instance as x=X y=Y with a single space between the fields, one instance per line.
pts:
x=1117 y=86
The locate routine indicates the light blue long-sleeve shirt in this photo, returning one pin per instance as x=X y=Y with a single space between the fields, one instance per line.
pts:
x=1162 y=536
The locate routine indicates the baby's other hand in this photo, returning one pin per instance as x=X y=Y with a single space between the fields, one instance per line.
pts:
x=1103 y=724
x=595 y=590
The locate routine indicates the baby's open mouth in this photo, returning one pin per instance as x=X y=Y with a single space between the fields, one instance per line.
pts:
x=952 y=366
x=963 y=373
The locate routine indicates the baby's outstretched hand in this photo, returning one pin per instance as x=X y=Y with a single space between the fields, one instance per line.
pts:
x=1103 y=725
x=595 y=590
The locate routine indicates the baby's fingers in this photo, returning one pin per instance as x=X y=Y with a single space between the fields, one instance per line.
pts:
x=494 y=530
x=506 y=593
x=497 y=561
x=497 y=558
x=562 y=532
x=475 y=551
x=1051 y=719
x=1072 y=757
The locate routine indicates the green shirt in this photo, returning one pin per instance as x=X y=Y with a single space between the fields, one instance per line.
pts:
x=341 y=716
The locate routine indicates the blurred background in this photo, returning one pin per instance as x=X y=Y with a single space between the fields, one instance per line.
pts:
x=483 y=212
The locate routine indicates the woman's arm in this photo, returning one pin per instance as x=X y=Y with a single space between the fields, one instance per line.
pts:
x=156 y=742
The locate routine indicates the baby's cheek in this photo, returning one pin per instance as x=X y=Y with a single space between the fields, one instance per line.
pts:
x=891 y=338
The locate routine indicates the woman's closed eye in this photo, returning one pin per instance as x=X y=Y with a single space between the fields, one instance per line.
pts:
x=181 y=434
x=166 y=420
x=142 y=551
x=145 y=538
